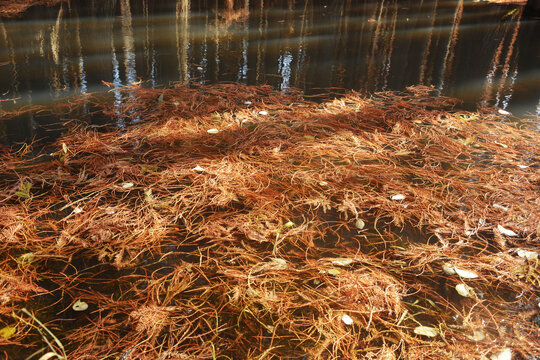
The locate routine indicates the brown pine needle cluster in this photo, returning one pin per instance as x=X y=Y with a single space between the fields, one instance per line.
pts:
x=238 y=222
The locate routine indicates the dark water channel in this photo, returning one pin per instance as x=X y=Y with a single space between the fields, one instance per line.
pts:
x=483 y=53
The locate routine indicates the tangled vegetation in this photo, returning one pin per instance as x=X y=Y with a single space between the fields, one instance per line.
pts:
x=238 y=222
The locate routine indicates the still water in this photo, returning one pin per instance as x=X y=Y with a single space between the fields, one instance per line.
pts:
x=482 y=53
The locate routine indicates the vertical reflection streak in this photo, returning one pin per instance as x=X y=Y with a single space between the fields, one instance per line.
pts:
x=507 y=65
x=117 y=82
x=243 y=71
x=82 y=74
x=450 y=48
x=260 y=48
x=56 y=84
x=423 y=78
x=129 y=42
x=12 y=59
x=182 y=38
x=388 y=59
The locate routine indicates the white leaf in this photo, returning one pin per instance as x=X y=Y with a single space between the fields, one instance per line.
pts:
x=127 y=185
x=79 y=305
x=464 y=290
x=504 y=354
x=503 y=112
x=263 y=112
x=198 y=169
x=506 y=231
x=398 y=197
x=342 y=262
x=360 y=224
x=212 y=131
x=465 y=273
x=347 y=319
x=448 y=269
x=527 y=254
x=426 y=331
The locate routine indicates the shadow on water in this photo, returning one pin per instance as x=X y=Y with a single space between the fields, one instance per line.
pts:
x=481 y=53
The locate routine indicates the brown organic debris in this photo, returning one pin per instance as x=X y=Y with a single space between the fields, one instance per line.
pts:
x=295 y=229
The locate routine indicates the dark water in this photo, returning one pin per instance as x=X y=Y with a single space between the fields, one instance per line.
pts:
x=482 y=53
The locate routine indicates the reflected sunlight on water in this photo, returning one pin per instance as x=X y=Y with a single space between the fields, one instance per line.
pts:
x=484 y=54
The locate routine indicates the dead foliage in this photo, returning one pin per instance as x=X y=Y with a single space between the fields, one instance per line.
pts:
x=233 y=221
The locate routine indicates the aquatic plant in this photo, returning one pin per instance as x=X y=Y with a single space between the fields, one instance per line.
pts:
x=233 y=221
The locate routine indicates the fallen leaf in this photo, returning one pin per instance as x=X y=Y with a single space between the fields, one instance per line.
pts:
x=465 y=290
x=477 y=335
x=506 y=231
x=504 y=354
x=426 y=331
x=347 y=319
x=127 y=185
x=448 y=269
x=7 y=332
x=342 y=262
x=334 y=271
x=527 y=254
x=79 y=305
x=465 y=273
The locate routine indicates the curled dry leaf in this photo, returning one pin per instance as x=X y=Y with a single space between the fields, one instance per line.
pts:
x=506 y=231
x=448 y=269
x=127 y=185
x=477 y=335
x=465 y=274
x=426 y=331
x=527 y=254
x=464 y=290
x=79 y=305
x=347 y=319
x=504 y=354
x=342 y=262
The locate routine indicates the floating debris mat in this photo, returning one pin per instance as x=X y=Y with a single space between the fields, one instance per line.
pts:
x=238 y=222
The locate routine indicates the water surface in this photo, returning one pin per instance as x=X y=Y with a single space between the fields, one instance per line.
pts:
x=482 y=53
